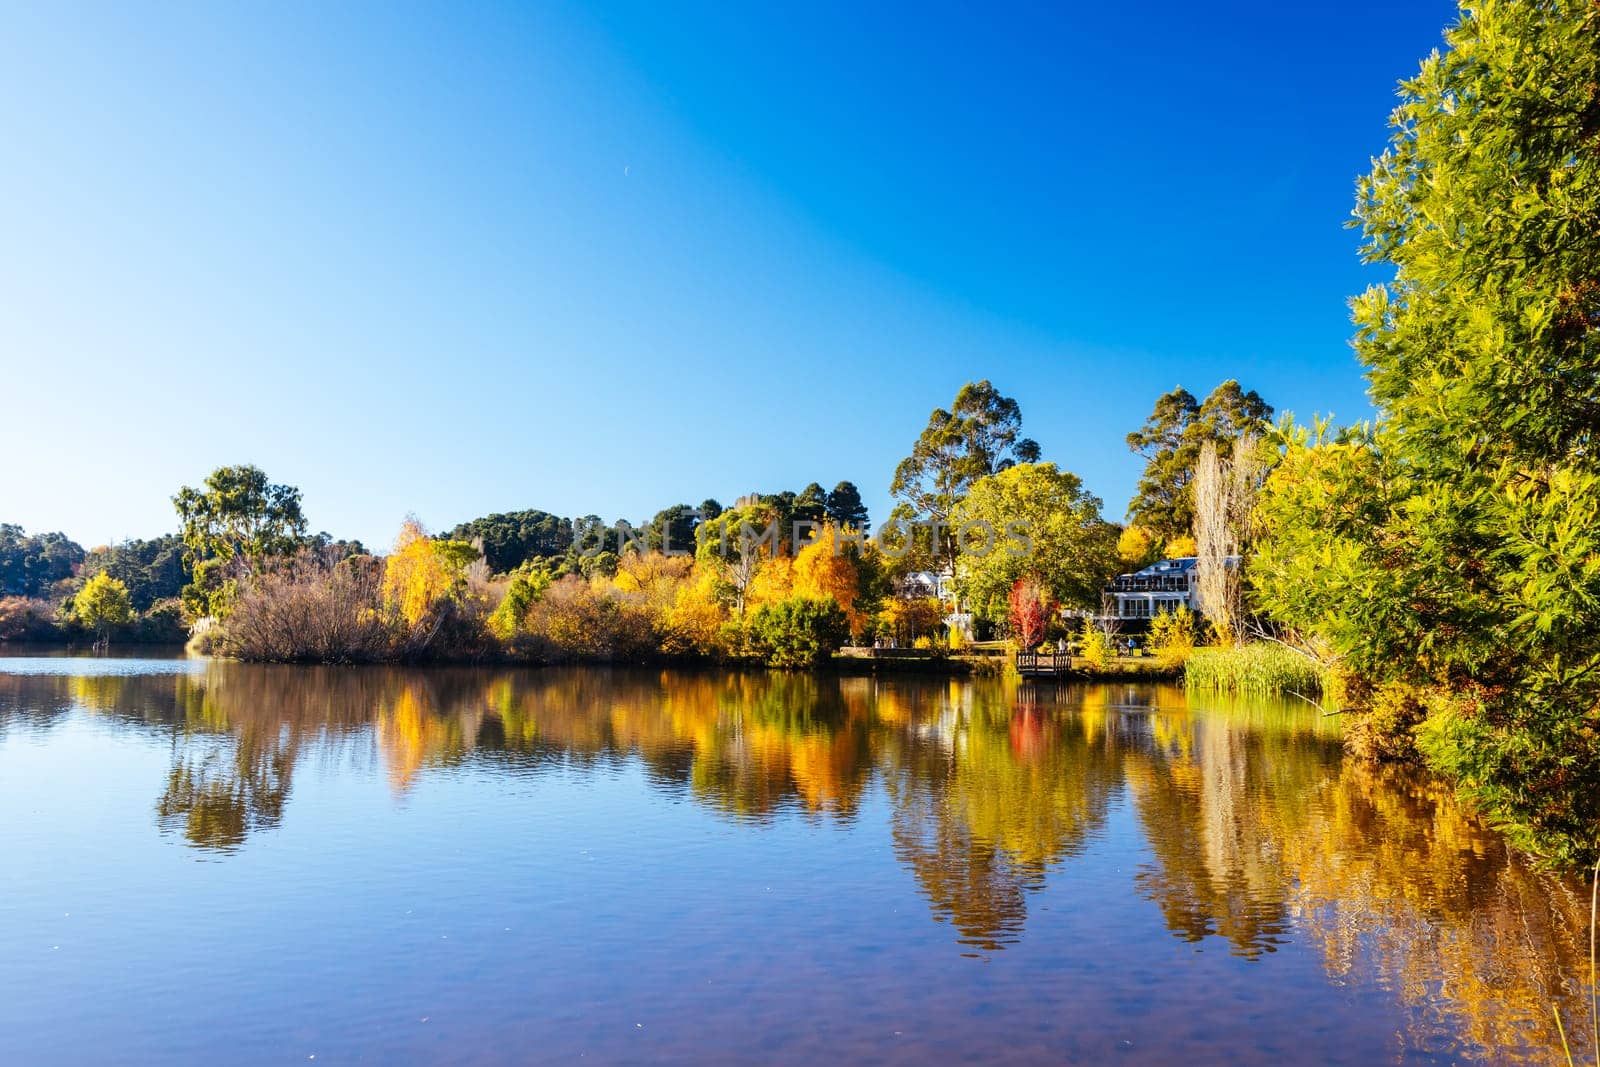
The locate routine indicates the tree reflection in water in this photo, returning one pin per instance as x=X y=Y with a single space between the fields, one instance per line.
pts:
x=1256 y=831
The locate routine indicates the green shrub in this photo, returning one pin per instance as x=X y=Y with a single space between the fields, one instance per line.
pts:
x=523 y=591
x=798 y=632
x=163 y=624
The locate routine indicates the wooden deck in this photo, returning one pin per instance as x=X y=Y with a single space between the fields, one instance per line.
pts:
x=1035 y=664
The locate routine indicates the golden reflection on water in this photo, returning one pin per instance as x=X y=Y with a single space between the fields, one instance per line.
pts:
x=1257 y=832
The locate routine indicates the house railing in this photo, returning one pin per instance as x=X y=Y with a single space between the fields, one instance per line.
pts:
x=1164 y=584
x=1043 y=663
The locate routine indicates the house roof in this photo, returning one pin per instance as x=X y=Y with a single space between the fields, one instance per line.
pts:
x=1181 y=565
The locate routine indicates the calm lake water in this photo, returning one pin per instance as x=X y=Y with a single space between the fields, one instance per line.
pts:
x=208 y=862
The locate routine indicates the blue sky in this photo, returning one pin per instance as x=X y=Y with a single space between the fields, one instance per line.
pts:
x=457 y=260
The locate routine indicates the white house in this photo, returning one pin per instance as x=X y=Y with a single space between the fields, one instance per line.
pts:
x=941 y=586
x=1160 y=587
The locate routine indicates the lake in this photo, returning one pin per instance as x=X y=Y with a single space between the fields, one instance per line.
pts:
x=218 y=862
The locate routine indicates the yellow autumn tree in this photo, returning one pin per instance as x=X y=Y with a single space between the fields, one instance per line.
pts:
x=654 y=576
x=773 y=582
x=825 y=568
x=421 y=572
x=695 y=618
x=908 y=619
x=1137 y=547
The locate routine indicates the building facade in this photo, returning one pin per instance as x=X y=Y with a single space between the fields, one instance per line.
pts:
x=1159 y=588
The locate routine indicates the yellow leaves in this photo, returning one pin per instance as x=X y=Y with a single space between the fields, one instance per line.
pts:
x=822 y=569
x=1136 y=547
x=421 y=572
x=909 y=619
x=102 y=603
x=1180 y=547
x=1173 y=634
x=653 y=574
x=695 y=617
x=773 y=582
x=1094 y=646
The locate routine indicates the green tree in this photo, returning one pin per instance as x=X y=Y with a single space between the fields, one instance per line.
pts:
x=845 y=507
x=980 y=435
x=811 y=505
x=1170 y=442
x=102 y=605
x=29 y=566
x=1033 y=519
x=512 y=538
x=231 y=526
x=799 y=632
x=673 y=528
x=1449 y=556
x=152 y=570
x=734 y=543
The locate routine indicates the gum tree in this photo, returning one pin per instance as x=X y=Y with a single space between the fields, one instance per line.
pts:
x=1171 y=440
x=231 y=527
x=980 y=435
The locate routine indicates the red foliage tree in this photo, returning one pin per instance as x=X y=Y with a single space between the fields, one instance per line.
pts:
x=1029 y=608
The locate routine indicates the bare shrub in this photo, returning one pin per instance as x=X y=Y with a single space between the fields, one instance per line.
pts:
x=26 y=619
x=310 y=610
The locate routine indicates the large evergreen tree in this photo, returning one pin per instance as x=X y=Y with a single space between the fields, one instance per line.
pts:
x=30 y=565
x=512 y=538
x=845 y=507
x=150 y=570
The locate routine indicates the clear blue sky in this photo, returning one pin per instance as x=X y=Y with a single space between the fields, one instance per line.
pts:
x=602 y=259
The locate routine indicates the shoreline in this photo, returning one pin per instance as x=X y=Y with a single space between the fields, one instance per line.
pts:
x=899 y=661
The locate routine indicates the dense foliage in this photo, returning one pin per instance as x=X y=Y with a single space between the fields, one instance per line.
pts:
x=30 y=566
x=1032 y=519
x=102 y=605
x=1448 y=557
x=152 y=570
x=232 y=526
x=510 y=539
x=799 y=631
x=980 y=435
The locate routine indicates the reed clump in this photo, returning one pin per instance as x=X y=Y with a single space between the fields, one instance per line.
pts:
x=1260 y=668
